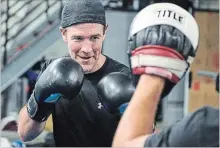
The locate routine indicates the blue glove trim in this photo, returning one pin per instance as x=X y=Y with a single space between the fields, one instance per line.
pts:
x=53 y=98
x=123 y=107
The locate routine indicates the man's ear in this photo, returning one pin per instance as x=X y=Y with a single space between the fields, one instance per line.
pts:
x=105 y=30
x=63 y=32
x=106 y=27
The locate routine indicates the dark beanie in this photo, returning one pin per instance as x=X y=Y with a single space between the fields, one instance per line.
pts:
x=82 y=11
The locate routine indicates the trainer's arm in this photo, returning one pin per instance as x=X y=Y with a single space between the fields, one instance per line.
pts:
x=28 y=129
x=136 y=123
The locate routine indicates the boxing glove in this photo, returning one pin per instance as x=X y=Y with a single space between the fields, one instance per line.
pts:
x=62 y=78
x=163 y=41
x=115 y=91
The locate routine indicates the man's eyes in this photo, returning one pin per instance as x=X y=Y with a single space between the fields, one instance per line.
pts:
x=94 y=38
x=78 y=38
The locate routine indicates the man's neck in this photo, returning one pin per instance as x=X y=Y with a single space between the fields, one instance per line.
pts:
x=99 y=64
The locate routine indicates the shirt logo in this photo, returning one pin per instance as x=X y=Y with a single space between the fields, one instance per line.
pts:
x=100 y=105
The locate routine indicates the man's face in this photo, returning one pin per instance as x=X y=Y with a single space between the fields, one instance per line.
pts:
x=85 y=43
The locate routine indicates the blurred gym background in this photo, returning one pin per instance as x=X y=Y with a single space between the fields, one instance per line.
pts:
x=30 y=35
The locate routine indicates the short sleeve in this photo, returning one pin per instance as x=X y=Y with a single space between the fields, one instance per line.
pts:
x=201 y=128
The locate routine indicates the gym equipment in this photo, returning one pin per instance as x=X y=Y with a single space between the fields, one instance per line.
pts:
x=210 y=74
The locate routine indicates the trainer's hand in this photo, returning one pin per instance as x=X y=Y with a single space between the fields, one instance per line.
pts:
x=163 y=45
x=62 y=78
x=163 y=37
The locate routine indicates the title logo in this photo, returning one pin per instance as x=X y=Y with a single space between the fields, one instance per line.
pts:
x=170 y=15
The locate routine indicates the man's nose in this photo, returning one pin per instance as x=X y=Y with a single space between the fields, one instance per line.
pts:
x=87 y=46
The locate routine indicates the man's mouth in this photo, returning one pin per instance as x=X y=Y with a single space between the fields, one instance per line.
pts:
x=84 y=58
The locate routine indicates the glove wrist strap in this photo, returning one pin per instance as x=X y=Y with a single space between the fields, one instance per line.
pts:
x=38 y=111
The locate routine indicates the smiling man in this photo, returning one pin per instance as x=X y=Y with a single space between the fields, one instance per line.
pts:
x=84 y=42
x=85 y=106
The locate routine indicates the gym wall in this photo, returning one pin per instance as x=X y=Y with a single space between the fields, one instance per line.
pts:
x=202 y=90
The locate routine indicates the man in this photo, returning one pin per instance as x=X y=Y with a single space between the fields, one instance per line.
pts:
x=85 y=91
x=159 y=50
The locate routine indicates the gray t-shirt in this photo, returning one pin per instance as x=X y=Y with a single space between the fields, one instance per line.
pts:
x=198 y=129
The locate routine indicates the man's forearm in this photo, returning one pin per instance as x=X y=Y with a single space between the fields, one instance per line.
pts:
x=28 y=129
x=142 y=107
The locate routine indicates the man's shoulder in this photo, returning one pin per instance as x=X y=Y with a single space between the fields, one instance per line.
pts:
x=49 y=61
x=117 y=66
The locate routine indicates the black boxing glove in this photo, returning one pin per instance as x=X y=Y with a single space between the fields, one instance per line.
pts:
x=115 y=91
x=62 y=78
x=163 y=41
